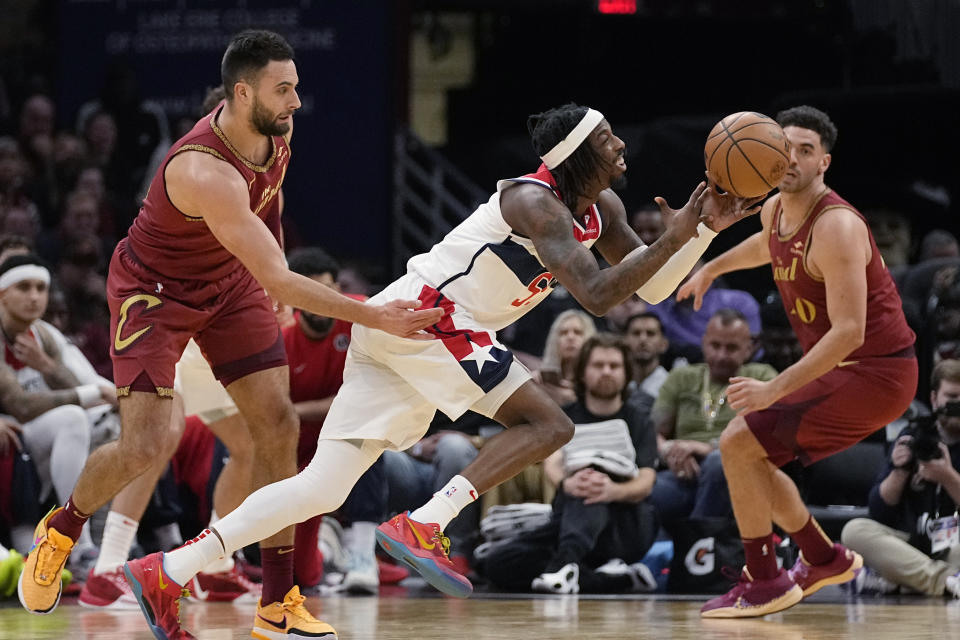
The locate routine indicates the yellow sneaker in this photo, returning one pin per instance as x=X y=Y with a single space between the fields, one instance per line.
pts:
x=39 y=586
x=289 y=619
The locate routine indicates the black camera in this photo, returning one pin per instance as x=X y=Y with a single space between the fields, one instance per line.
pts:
x=949 y=409
x=926 y=440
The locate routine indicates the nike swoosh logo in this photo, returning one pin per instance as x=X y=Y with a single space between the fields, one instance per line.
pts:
x=285 y=551
x=423 y=543
x=163 y=585
x=282 y=625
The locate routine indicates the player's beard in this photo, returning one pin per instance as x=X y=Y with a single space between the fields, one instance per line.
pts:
x=265 y=122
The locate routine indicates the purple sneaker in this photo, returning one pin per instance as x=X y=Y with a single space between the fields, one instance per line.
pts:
x=813 y=577
x=751 y=598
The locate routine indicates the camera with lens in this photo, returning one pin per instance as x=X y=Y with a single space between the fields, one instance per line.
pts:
x=926 y=440
x=925 y=444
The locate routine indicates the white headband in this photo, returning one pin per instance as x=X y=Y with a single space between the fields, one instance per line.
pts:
x=24 y=272
x=574 y=139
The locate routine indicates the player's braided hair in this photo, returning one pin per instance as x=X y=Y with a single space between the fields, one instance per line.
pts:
x=574 y=174
x=810 y=118
x=248 y=52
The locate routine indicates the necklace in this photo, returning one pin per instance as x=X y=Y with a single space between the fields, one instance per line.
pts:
x=711 y=405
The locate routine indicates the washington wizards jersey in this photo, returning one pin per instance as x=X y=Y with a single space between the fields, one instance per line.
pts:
x=491 y=271
x=30 y=379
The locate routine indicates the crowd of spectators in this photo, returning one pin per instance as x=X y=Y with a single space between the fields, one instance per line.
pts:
x=645 y=386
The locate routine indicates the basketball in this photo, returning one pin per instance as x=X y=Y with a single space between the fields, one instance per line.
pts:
x=747 y=154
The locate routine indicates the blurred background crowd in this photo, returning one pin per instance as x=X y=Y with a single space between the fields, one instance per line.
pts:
x=389 y=156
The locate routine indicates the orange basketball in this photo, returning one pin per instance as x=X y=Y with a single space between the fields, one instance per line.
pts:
x=747 y=154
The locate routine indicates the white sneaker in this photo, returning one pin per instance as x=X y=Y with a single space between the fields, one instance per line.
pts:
x=331 y=545
x=869 y=581
x=566 y=580
x=641 y=577
x=363 y=577
x=952 y=588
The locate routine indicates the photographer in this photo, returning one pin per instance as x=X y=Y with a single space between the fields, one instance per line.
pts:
x=912 y=539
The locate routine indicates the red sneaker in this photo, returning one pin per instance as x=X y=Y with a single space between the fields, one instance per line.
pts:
x=425 y=548
x=391 y=573
x=750 y=598
x=108 y=591
x=158 y=595
x=813 y=577
x=225 y=586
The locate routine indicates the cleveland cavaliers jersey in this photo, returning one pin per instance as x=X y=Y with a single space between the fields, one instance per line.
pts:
x=491 y=271
x=180 y=246
x=30 y=379
x=805 y=296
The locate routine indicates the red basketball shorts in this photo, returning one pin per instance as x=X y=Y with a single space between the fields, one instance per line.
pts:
x=836 y=410
x=152 y=318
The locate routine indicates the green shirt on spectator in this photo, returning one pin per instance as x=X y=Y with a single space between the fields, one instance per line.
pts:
x=701 y=415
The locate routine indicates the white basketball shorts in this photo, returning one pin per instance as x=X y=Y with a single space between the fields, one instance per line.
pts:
x=392 y=386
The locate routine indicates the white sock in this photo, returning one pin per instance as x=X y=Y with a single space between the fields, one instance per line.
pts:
x=446 y=503
x=187 y=561
x=361 y=538
x=221 y=565
x=118 y=534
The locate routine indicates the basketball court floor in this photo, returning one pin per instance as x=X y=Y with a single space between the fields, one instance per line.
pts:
x=402 y=614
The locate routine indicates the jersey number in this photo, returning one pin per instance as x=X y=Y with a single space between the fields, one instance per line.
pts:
x=540 y=284
x=805 y=310
x=119 y=344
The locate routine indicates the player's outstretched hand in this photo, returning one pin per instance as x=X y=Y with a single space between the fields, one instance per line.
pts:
x=404 y=318
x=697 y=286
x=683 y=221
x=720 y=210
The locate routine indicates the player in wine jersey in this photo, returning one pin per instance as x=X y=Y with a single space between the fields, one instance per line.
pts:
x=498 y=264
x=858 y=371
x=196 y=263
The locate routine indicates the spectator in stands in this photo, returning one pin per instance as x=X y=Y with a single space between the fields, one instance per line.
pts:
x=938 y=244
x=684 y=326
x=36 y=145
x=644 y=336
x=13 y=172
x=647 y=221
x=892 y=233
x=602 y=523
x=38 y=389
x=777 y=343
x=689 y=414
x=567 y=334
x=142 y=133
x=21 y=219
x=316 y=352
x=910 y=538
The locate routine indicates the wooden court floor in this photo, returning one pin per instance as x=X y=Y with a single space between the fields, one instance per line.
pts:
x=402 y=617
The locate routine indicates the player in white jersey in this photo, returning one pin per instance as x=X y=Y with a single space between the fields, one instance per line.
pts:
x=494 y=267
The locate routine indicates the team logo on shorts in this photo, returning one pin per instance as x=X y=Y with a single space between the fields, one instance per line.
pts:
x=341 y=342
x=119 y=343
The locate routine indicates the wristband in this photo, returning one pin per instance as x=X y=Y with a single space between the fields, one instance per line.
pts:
x=88 y=395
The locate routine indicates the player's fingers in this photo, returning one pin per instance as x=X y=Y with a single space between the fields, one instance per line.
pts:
x=405 y=304
x=662 y=203
x=711 y=183
x=698 y=301
x=745 y=213
x=749 y=202
x=697 y=194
